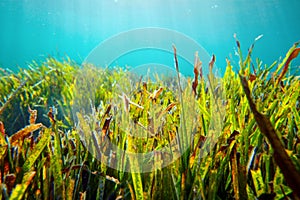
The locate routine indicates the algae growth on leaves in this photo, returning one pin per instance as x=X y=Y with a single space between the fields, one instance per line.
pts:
x=43 y=157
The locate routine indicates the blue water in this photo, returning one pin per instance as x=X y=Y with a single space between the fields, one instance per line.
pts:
x=34 y=29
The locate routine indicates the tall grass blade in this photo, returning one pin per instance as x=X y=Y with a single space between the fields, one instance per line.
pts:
x=19 y=192
x=20 y=135
x=134 y=165
x=281 y=157
x=56 y=167
x=36 y=152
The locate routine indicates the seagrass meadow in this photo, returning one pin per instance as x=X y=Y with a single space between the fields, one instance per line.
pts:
x=256 y=156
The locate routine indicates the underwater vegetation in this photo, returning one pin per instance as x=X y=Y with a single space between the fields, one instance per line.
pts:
x=256 y=156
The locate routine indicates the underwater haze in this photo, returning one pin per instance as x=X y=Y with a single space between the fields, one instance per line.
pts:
x=34 y=29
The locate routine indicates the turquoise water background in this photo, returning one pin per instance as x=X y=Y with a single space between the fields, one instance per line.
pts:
x=35 y=29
